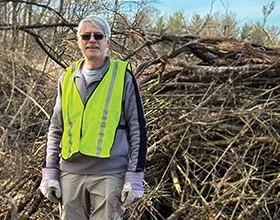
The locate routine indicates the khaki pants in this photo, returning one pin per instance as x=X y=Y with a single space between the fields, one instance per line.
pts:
x=94 y=197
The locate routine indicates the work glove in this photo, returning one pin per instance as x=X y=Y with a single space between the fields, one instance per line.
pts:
x=133 y=189
x=50 y=186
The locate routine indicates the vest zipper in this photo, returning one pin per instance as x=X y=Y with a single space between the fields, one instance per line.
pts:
x=81 y=131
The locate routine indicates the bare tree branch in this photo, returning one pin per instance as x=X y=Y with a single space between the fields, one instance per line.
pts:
x=4 y=27
x=39 y=5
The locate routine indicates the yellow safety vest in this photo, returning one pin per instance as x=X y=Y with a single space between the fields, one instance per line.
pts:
x=91 y=128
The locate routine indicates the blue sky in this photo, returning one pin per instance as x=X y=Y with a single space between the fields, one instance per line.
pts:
x=245 y=10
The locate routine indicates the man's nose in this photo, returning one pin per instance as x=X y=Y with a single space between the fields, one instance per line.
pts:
x=92 y=38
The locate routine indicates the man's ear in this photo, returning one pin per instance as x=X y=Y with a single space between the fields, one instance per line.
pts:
x=79 y=43
x=108 y=42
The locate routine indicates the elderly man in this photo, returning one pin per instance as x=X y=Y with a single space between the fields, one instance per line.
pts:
x=96 y=147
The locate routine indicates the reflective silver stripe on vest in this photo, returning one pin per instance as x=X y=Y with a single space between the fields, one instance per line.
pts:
x=105 y=111
x=70 y=124
x=70 y=134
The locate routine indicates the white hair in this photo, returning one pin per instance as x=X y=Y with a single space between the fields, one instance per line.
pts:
x=98 y=22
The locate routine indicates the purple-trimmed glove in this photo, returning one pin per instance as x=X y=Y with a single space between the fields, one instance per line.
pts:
x=50 y=186
x=133 y=189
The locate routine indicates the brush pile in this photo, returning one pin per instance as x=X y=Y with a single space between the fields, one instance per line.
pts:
x=213 y=111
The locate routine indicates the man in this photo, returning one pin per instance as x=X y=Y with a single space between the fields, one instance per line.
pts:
x=96 y=148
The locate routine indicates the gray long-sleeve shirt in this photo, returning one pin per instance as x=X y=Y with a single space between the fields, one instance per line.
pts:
x=129 y=149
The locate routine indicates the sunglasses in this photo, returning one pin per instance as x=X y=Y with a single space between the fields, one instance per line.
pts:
x=96 y=36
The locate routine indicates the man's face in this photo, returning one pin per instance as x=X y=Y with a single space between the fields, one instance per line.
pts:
x=90 y=43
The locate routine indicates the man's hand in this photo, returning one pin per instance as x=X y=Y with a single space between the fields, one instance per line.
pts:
x=50 y=186
x=133 y=189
